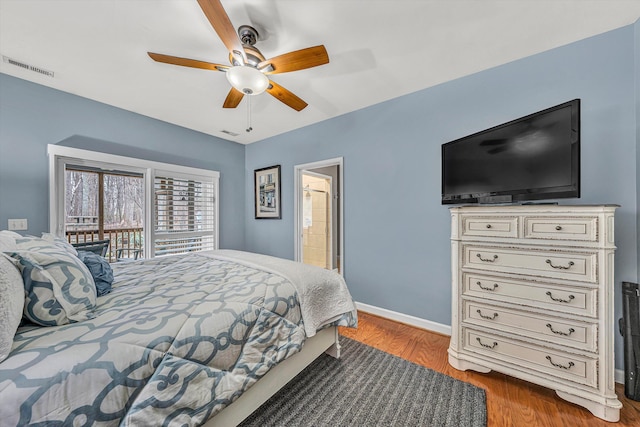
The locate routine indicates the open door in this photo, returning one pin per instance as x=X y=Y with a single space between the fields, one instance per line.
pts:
x=317 y=236
x=318 y=221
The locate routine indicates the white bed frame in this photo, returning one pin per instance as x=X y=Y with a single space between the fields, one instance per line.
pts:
x=325 y=341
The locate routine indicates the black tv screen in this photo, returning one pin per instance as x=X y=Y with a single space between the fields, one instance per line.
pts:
x=530 y=158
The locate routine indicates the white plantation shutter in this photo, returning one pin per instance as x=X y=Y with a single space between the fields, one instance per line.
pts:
x=184 y=213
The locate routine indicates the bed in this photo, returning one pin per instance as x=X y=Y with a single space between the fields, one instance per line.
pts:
x=196 y=339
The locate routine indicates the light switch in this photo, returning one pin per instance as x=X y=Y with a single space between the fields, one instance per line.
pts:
x=18 y=224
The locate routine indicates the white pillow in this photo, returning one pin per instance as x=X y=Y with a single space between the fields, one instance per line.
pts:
x=11 y=233
x=11 y=303
x=8 y=240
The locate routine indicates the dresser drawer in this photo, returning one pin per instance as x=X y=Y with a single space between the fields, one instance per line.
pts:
x=565 y=299
x=567 y=265
x=556 y=363
x=580 y=229
x=571 y=333
x=489 y=226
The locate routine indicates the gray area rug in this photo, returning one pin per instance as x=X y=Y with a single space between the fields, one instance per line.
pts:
x=368 y=387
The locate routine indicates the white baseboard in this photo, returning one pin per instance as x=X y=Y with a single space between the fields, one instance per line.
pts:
x=405 y=318
x=431 y=326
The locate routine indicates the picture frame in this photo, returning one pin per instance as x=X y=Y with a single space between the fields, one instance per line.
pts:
x=267 y=197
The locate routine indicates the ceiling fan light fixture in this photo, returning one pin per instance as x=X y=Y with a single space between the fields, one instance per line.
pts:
x=247 y=80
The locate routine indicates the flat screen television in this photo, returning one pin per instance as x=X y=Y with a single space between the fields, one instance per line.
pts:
x=531 y=158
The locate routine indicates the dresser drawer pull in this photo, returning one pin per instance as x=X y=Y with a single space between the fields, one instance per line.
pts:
x=484 y=316
x=566 y=334
x=495 y=257
x=560 y=299
x=488 y=225
x=558 y=365
x=486 y=345
x=558 y=227
x=560 y=267
x=487 y=288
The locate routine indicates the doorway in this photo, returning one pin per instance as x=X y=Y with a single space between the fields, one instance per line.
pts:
x=317 y=233
x=319 y=215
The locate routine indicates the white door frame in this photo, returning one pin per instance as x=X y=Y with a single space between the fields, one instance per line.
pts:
x=298 y=169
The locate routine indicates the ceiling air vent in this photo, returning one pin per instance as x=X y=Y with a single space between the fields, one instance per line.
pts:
x=228 y=132
x=27 y=66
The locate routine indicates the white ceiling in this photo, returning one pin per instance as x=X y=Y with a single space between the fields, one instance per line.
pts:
x=378 y=50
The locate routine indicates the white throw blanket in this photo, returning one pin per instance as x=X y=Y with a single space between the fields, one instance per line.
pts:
x=318 y=307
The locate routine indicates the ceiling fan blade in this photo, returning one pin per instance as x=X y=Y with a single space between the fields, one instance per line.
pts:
x=221 y=23
x=286 y=96
x=297 y=60
x=233 y=98
x=186 y=62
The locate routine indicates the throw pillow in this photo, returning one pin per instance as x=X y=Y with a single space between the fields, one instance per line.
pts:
x=8 y=240
x=100 y=269
x=11 y=303
x=60 y=242
x=59 y=287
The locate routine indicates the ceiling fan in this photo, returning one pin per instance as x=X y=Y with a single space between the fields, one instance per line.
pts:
x=249 y=69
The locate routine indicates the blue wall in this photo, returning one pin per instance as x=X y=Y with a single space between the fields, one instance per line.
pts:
x=396 y=234
x=32 y=116
x=396 y=231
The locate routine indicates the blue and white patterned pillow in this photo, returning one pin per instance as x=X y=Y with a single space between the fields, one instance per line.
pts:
x=37 y=244
x=60 y=242
x=59 y=287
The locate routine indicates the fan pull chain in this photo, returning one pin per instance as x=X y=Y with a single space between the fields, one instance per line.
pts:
x=249 y=128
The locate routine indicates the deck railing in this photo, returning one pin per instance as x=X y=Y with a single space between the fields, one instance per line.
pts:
x=129 y=242
x=124 y=242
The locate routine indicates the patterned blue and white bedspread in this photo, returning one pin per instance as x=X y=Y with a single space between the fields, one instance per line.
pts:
x=178 y=339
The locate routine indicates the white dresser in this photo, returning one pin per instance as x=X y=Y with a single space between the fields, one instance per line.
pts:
x=532 y=297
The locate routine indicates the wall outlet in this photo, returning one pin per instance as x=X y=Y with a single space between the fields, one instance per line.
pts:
x=18 y=224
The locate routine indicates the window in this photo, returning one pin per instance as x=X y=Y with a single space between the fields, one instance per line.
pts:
x=102 y=204
x=184 y=217
x=145 y=208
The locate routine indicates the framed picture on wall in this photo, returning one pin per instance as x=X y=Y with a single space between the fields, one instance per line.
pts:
x=267 y=192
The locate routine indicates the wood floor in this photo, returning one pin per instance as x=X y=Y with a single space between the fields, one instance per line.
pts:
x=510 y=402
